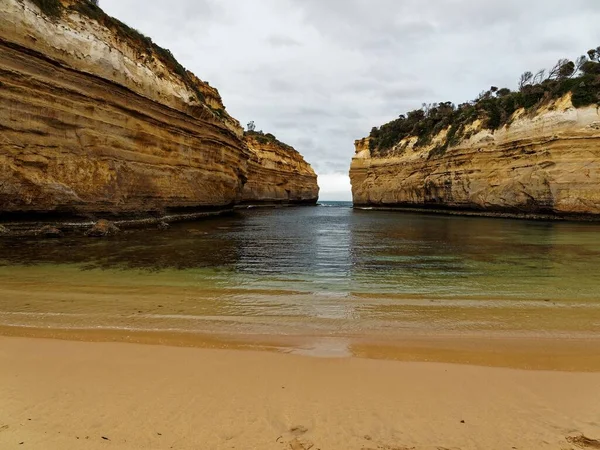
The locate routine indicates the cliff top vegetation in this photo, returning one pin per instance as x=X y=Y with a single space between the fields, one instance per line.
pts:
x=264 y=138
x=267 y=138
x=493 y=107
x=54 y=9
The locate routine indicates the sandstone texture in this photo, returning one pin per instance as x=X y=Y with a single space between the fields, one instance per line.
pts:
x=96 y=120
x=277 y=173
x=546 y=163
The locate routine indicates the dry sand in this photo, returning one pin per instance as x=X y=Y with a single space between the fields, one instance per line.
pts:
x=68 y=395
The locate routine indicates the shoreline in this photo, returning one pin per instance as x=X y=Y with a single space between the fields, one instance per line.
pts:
x=98 y=395
x=64 y=224
x=480 y=349
x=33 y=224
x=450 y=211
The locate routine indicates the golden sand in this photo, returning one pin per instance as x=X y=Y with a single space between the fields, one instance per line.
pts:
x=65 y=394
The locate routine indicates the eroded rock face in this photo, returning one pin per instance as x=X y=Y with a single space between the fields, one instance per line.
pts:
x=50 y=232
x=277 y=173
x=92 y=123
x=547 y=163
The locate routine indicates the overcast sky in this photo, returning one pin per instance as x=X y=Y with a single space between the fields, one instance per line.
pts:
x=319 y=74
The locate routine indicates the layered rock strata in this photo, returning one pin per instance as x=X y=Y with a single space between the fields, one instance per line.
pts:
x=277 y=173
x=546 y=163
x=97 y=121
x=92 y=124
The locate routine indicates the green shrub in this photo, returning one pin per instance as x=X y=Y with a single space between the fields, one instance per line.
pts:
x=494 y=107
x=586 y=91
x=89 y=9
x=267 y=138
x=219 y=112
x=51 y=8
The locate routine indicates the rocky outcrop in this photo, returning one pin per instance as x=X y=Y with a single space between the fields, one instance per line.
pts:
x=97 y=120
x=103 y=228
x=277 y=173
x=546 y=162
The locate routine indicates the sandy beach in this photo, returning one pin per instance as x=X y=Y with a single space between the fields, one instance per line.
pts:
x=64 y=394
x=223 y=335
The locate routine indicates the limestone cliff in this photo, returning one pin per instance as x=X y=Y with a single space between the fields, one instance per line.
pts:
x=277 y=173
x=545 y=161
x=96 y=119
x=94 y=122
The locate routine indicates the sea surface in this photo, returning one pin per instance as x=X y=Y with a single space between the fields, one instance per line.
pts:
x=327 y=270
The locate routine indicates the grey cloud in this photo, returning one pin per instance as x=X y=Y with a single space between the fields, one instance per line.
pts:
x=412 y=30
x=399 y=34
x=282 y=41
x=285 y=124
x=406 y=92
x=306 y=141
x=331 y=167
x=278 y=85
x=553 y=45
x=380 y=44
x=154 y=19
x=336 y=166
x=314 y=112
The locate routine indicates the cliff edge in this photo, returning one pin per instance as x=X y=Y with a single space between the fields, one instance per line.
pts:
x=277 y=173
x=96 y=120
x=492 y=156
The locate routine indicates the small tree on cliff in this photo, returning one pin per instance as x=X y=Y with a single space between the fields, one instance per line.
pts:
x=251 y=126
x=525 y=79
x=562 y=69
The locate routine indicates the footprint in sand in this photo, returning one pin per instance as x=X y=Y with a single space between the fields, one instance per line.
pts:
x=296 y=443
x=582 y=441
x=301 y=445
x=298 y=430
x=387 y=447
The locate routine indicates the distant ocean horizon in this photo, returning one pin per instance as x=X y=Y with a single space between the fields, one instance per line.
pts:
x=341 y=203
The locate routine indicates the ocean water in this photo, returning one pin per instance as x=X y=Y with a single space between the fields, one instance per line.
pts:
x=327 y=270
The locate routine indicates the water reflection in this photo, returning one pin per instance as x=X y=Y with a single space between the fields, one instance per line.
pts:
x=339 y=253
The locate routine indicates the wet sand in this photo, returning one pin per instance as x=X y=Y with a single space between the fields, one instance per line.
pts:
x=65 y=394
x=483 y=349
x=177 y=309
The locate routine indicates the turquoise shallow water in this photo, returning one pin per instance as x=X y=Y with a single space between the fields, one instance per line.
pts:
x=327 y=269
